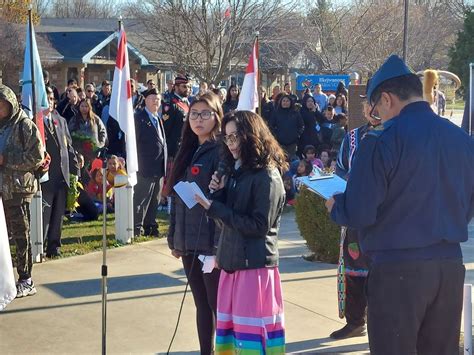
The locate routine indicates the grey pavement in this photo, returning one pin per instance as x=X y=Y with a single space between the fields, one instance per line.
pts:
x=145 y=290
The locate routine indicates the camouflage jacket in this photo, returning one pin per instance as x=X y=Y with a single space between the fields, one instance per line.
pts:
x=23 y=152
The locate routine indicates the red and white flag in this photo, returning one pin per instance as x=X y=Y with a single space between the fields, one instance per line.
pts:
x=121 y=107
x=248 y=99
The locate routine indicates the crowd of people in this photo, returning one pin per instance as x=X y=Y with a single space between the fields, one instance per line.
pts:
x=248 y=166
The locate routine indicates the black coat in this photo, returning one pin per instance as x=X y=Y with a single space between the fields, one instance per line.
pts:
x=67 y=110
x=151 y=151
x=310 y=135
x=287 y=125
x=230 y=106
x=186 y=225
x=116 y=138
x=174 y=115
x=250 y=208
x=59 y=147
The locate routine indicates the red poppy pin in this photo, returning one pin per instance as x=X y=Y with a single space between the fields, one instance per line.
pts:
x=195 y=170
x=55 y=122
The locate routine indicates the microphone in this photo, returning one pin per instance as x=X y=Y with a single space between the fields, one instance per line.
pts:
x=221 y=171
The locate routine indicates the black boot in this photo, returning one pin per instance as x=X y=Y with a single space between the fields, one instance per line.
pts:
x=349 y=331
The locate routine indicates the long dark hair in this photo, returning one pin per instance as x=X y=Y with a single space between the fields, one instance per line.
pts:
x=229 y=97
x=258 y=148
x=92 y=117
x=190 y=141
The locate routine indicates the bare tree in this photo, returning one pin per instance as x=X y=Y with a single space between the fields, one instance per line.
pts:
x=361 y=34
x=85 y=8
x=41 y=7
x=207 y=38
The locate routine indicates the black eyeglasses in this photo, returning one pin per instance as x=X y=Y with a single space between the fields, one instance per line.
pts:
x=205 y=115
x=371 y=113
x=231 y=138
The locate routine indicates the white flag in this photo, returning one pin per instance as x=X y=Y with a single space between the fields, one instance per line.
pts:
x=121 y=107
x=248 y=99
x=7 y=278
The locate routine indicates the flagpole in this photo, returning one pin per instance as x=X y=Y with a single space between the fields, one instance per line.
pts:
x=33 y=91
x=38 y=194
x=259 y=107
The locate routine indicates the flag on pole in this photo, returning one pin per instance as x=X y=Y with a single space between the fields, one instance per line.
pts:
x=248 y=99
x=7 y=278
x=32 y=59
x=121 y=107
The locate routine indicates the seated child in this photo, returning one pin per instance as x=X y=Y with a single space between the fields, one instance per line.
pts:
x=304 y=169
x=114 y=167
x=95 y=188
x=324 y=156
x=310 y=155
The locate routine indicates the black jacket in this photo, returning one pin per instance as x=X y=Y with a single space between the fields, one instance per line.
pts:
x=151 y=151
x=116 y=138
x=250 y=208
x=67 y=110
x=230 y=106
x=174 y=115
x=186 y=225
x=310 y=135
x=287 y=125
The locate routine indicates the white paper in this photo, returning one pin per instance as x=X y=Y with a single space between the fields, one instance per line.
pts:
x=208 y=263
x=325 y=188
x=186 y=191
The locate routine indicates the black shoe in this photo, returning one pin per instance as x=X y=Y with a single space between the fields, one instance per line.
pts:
x=152 y=232
x=349 y=331
x=55 y=253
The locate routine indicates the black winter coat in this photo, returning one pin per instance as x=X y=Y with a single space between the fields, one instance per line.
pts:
x=287 y=125
x=186 y=225
x=310 y=135
x=230 y=106
x=250 y=207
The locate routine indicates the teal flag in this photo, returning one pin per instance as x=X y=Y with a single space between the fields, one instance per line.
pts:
x=26 y=90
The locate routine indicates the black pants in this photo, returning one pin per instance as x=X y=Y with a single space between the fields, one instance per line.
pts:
x=415 y=307
x=356 y=301
x=145 y=203
x=204 y=289
x=54 y=206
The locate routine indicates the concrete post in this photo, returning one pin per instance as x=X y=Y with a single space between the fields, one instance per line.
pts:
x=123 y=197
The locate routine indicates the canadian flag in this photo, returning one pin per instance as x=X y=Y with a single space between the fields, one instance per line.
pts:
x=121 y=107
x=248 y=99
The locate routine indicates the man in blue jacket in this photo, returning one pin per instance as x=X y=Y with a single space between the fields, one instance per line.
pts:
x=412 y=209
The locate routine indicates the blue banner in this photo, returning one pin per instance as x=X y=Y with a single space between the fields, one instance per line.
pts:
x=328 y=82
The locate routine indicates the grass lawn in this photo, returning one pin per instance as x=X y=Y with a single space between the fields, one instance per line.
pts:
x=82 y=238
x=85 y=237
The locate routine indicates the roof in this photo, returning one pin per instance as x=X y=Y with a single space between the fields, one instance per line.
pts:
x=79 y=40
x=74 y=46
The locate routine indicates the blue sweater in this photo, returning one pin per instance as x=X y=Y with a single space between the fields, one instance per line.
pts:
x=411 y=191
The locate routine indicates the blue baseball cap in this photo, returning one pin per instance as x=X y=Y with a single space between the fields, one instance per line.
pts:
x=393 y=67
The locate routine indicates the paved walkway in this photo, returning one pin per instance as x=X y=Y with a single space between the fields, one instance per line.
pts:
x=145 y=291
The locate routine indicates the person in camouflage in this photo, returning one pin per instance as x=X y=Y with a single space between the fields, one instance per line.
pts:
x=21 y=154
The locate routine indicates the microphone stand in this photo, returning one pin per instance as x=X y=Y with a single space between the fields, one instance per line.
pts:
x=102 y=155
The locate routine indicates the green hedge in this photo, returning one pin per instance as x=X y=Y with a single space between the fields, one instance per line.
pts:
x=321 y=234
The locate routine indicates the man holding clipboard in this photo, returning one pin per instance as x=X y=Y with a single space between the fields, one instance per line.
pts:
x=353 y=264
x=412 y=210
